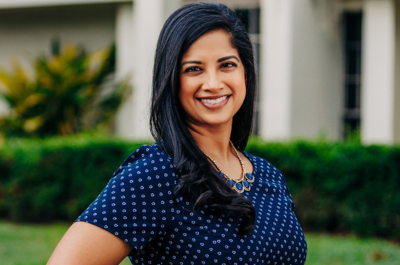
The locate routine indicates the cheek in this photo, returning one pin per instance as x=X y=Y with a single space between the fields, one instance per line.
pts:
x=185 y=95
x=187 y=89
x=240 y=86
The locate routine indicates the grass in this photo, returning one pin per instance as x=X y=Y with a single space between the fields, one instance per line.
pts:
x=28 y=244
x=33 y=244
x=346 y=250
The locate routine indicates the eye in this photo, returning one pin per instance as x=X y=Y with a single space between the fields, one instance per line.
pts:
x=192 y=69
x=228 y=65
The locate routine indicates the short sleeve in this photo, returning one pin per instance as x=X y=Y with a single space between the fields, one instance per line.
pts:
x=135 y=205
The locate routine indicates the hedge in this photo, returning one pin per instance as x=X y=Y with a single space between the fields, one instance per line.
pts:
x=340 y=187
x=337 y=187
x=56 y=179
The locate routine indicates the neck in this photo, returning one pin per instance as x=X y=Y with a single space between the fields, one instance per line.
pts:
x=214 y=141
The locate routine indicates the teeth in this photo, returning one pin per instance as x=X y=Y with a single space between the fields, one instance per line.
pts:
x=214 y=101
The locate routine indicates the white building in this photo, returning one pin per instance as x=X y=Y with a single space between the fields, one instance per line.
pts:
x=324 y=65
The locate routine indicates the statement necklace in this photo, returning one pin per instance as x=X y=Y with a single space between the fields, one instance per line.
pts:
x=240 y=185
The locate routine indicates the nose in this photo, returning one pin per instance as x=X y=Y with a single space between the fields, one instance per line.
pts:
x=212 y=81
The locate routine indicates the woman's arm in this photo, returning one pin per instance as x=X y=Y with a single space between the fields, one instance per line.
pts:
x=87 y=244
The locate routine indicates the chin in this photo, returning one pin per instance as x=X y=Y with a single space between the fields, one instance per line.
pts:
x=218 y=122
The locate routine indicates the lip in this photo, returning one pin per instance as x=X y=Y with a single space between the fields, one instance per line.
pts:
x=214 y=102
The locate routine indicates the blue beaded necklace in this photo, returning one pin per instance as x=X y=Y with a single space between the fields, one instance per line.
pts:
x=240 y=185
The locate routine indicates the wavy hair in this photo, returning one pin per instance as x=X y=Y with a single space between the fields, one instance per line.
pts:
x=199 y=181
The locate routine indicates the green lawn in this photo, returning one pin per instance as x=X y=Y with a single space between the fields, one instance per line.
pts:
x=30 y=244
x=350 y=250
x=33 y=244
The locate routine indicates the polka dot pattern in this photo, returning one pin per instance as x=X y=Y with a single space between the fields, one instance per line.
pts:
x=137 y=206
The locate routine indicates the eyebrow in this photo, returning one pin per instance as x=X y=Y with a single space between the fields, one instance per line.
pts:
x=194 y=62
x=219 y=60
x=227 y=58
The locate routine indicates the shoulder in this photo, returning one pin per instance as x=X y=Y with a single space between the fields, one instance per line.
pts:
x=147 y=169
x=146 y=178
x=136 y=203
x=146 y=160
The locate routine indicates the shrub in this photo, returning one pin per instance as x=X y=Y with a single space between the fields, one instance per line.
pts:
x=70 y=92
x=340 y=187
x=56 y=179
x=337 y=187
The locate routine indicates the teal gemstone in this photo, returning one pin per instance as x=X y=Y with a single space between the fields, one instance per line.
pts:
x=239 y=186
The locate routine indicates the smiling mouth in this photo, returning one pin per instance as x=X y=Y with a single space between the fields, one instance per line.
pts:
x=213 y=101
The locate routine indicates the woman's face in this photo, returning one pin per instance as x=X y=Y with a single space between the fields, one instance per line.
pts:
x=212 y=78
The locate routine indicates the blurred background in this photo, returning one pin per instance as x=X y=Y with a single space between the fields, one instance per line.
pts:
x=75 y=84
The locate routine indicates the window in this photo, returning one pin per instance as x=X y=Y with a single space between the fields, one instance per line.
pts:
x=251 y=20
x=352 y=86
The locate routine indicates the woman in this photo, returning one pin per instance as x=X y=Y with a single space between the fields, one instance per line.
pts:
x=193 y=197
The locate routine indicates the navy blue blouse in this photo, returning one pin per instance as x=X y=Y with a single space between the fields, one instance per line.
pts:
x=138 y=207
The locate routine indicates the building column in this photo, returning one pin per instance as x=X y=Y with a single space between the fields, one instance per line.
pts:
x=138 y=28
x=124 y=65
x=378 y=68
x=397 y=78
x=148 y=18
x=300 y=70
x=275 y=69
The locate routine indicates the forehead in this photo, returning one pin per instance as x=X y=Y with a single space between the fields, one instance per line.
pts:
x=212 y=44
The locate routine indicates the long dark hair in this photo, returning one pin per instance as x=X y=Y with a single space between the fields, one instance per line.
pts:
x=199 y=181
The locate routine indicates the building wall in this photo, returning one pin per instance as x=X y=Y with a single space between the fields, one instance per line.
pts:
x=317 y=75
x=301 y=69
x=134 y=26
x=27 y=32
x=33 y=3
x=234 y=4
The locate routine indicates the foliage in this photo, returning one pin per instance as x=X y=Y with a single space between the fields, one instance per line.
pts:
x=340 y=187
x=56 y=178
x=70 y=91
x=337 y=187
